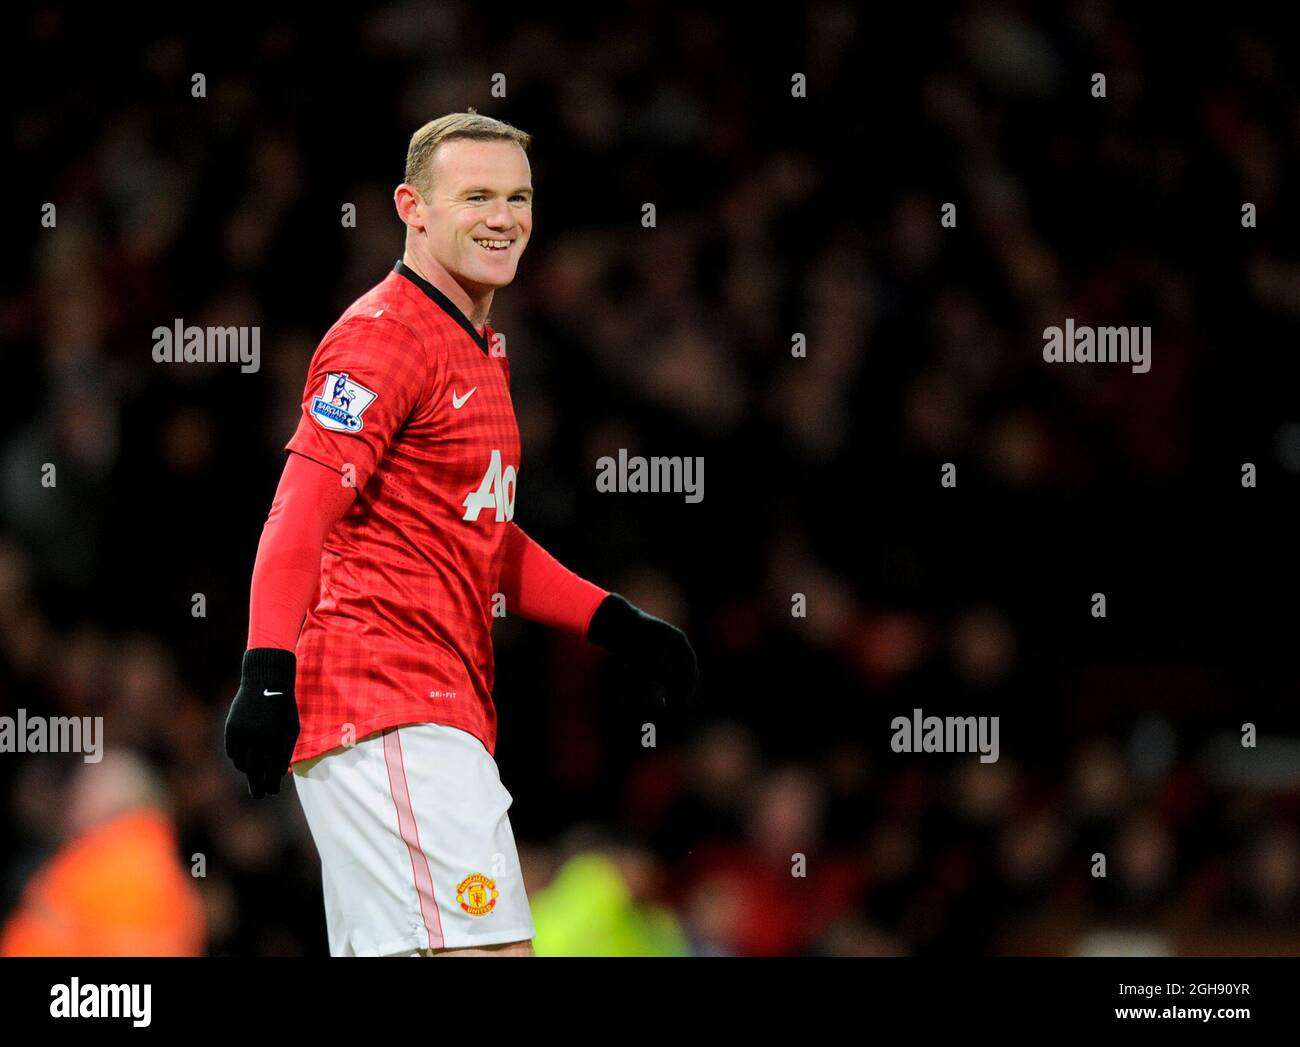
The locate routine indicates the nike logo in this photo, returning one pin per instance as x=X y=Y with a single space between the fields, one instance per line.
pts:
x=269 y=694
x=459 y=401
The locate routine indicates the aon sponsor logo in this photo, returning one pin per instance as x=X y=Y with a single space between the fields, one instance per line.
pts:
x=497 y=491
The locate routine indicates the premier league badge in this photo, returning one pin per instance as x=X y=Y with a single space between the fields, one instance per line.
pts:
x=340 y=404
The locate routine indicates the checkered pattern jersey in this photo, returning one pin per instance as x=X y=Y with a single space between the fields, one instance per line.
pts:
x=401 y=629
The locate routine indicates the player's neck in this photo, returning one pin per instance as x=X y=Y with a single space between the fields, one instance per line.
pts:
x=476 y=309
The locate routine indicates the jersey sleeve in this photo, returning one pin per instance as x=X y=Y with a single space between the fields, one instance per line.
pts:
x=365 y=379
x=286 y=574
x=540 y=588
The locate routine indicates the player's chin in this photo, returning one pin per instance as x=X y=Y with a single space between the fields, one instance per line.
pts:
x=496 y=273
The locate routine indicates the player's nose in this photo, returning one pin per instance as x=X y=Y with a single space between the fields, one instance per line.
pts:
x=499 y=219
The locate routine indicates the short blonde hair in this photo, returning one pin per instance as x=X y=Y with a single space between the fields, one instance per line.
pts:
x=419 y=154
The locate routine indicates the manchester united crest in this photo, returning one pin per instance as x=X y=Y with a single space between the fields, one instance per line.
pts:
x=477 y=894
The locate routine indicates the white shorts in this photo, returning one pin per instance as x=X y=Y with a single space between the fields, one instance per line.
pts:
x=415 y=846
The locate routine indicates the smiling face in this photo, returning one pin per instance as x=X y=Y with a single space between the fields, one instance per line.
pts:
x=478 y=213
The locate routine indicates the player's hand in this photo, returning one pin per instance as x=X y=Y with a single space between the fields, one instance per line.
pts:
x=262 y=726
x=653 y=647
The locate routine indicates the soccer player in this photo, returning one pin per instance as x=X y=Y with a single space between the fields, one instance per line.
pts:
x=390 y=533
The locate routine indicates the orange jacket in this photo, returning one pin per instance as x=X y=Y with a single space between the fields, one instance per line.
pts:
x=116 y=890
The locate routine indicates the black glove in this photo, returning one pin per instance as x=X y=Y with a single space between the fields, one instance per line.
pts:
x=653 y=647
x=262 y=726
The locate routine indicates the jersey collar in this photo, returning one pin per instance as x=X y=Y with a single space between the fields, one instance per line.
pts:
x=443 y=302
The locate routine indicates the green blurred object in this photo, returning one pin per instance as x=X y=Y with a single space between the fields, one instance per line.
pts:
x=587 y=910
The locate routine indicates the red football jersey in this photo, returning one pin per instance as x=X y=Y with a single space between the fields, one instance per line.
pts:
x=409 y=402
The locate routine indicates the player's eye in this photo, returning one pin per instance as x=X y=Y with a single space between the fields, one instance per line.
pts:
x=478 y=196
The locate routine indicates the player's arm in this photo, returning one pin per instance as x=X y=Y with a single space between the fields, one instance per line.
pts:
x=538 y=587
x=365 y=379
x=262 y=725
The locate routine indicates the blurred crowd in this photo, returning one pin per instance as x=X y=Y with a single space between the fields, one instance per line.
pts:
x=774 y=819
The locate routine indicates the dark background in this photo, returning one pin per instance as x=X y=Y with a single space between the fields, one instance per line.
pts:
x=775 y=215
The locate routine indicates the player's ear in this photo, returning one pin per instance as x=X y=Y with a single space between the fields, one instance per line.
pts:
x=408 y=201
